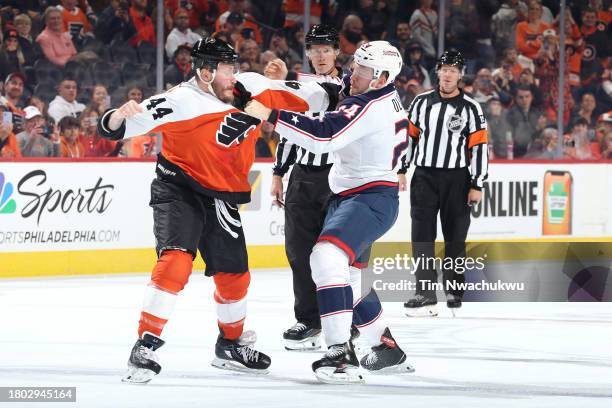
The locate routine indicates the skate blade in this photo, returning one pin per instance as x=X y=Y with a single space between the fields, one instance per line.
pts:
x=235 y=366
x=425 y=311
x=309 y=344
x=137 y=375
x=402 y=368
x=328 y=375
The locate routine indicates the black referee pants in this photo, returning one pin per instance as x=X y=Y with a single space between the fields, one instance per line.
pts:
x=445 y=191
x=305 y=205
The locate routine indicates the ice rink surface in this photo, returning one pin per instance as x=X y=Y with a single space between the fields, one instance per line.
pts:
x=79 y=332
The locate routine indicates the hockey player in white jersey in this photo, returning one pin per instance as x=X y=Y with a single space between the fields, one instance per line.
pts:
x=367 y=135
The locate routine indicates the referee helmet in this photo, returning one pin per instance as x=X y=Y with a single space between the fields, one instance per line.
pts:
x=452 y=58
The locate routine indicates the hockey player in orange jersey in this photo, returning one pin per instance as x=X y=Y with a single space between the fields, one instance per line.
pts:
x=208 y=147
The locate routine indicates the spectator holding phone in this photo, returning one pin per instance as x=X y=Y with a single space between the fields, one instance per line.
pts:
x=115 y=22
x=8 y=140
x=94 y=144
x=38 y=139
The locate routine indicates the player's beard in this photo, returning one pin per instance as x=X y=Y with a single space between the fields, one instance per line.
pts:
x=224 y=94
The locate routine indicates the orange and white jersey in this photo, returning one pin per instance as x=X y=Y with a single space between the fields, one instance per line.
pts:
x=304 y=96
x=207 y=144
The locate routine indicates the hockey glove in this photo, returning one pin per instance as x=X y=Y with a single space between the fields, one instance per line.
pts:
x=241 y=96
x=333 y=91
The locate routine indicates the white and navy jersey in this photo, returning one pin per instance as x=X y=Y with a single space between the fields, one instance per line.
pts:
x=448 y=133
x=288 y=153
x=367 y=134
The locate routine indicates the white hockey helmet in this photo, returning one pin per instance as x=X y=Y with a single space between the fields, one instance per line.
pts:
x=380 y=56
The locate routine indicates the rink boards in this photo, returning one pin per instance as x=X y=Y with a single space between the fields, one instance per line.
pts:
x=92 y=217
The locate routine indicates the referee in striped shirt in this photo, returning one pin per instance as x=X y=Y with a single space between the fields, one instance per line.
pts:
x=449 y=136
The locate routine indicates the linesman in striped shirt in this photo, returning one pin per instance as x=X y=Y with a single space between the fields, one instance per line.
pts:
x=449 y=135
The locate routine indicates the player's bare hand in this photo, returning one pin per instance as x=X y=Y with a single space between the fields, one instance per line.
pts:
x=257 y=110
x=474 y=197
x=276 y=191
x=276 y=69
x=403 y=182
x=127 y=110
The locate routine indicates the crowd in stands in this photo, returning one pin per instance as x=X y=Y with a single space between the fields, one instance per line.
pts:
x=63 y=63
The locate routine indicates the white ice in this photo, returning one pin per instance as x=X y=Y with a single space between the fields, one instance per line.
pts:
x=79 y=332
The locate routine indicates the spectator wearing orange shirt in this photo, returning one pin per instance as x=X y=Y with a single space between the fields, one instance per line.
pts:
x=547 y=69
x=294 y=12
x=510 y=56
x=602 y=15
x=194 y=9
x=54 y=42
x=8 y=141
x=70 y=146
x=75 y=21
x=529 y=33
x=596 y=47
x=143 y=23
x=239 y=6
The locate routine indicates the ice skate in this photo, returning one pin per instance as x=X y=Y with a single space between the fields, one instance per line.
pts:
x=386 y=358
x=231 y=355
x=338 y=366
x=421 y=306
x=143 y=363
x=302 y=337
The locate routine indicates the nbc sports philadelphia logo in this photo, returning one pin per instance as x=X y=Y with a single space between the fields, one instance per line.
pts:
x=7 y=203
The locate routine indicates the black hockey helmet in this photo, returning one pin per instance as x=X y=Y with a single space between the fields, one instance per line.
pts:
x=208 y=52
x=321 y=34
x=452 y=58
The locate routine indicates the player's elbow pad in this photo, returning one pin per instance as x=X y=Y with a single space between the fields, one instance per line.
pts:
x=104 y=129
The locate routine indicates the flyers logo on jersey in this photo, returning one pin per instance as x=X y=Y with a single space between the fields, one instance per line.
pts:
x=234 y=128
